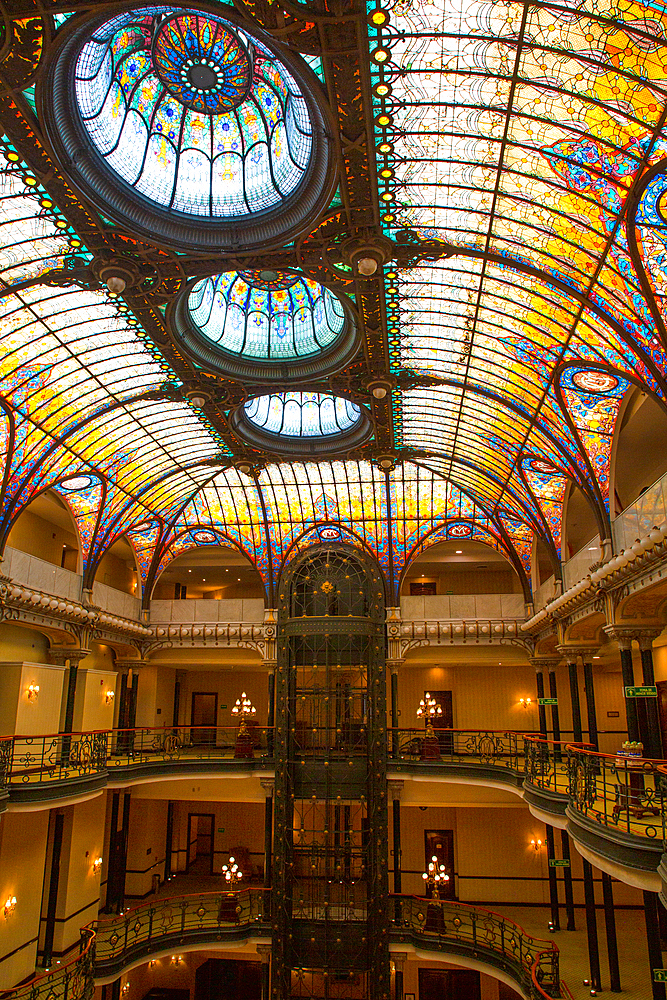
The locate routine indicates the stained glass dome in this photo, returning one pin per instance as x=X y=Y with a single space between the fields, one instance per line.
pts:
x=261 y=325
x=302 y=421
x=192 y=117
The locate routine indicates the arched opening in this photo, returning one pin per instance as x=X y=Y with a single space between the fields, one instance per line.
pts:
x=459 y=566
x=118 y=568
x=639 y=456
x=46 y=529
x=580 y=525
x=209 y=572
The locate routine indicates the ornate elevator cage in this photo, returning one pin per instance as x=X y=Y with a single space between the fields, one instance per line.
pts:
x=330 y=888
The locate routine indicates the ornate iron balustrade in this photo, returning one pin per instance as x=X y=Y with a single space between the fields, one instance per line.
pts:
x=130 y=748
x=164 y=923
x=72 y=981
x=546 y=764
x=484 y=748
x=55 y=758
x=466 y=930
x=617 y=792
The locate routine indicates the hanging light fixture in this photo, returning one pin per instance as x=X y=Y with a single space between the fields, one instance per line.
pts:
x=436 y=877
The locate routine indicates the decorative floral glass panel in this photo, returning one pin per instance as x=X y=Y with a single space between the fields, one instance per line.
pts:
x=195 y=114
x=266 y=314
x=302 y=414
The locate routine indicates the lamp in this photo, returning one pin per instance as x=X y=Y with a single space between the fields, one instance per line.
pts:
x=243 y=706
x=232 y=873
x=97 y=866
x=177 y=960
x=435 y=877
x=525 y=702
x=109 y=696
x=33 y=691
x=428 y=708
x=536 y=843
x=10 y=905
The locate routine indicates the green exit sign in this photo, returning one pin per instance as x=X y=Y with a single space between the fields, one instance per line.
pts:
x=559 y=863
x=547 y=701
x=648 y=691
x=660 y=975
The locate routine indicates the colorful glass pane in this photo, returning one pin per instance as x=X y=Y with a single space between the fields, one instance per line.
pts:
x=195 y=115
x=276 y=318
x=302 y=414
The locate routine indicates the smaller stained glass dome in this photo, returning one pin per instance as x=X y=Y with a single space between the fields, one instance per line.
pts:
x=300 y=422
x=265 y=325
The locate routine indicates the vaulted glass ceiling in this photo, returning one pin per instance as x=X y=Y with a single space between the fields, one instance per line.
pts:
x=520 y=157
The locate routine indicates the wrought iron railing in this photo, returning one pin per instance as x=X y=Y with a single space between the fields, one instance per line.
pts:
x=618 y=792
x=485 y=747
x=165 y=921
x=57 y=757
x=72 y=981
x=546 y=764
x=470 y=929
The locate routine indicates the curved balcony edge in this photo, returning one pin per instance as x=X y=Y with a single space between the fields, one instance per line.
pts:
x=633 y=860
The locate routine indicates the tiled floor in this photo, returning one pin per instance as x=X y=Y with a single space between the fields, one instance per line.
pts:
x=633 y=956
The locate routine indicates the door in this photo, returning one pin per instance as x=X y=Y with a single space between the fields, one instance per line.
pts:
x=441 y=844
x=228 y=979
x=444 y=721
x=662 y=713
x=449 y=984
x=204 y=714
x=200 y=844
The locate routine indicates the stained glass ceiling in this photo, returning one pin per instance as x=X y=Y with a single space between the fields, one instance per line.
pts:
x=520 y=158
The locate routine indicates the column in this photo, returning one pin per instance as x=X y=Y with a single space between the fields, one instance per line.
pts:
x=69 y=658
x=624 y=639
x=553 y=880
x=567 y=878
x=541 y=709
x=651 y=733
x=610 y=927
x=267 y=785
x=590 y=703
x=591 y=926
x=399 y=959
x=264 y=952
x=555 y=718
x=393 y=666
x=169 y=841
x=653 y=941
x=574 y=697
x=393 y=662
x=395 y=789
x=57 y=823
x=270 y=654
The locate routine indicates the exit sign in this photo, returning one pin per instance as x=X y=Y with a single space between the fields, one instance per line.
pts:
x=660 y=975
x=648 y=691
x=547 y=701
x=559 y=863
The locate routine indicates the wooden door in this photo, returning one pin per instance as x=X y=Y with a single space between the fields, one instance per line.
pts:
x=449 y=984
x=441 y=844
x=444 y=722
x=204 y=713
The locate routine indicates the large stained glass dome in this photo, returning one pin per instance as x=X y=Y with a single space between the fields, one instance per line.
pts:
x=302 y=422
x=189 y=124
x=265 y=325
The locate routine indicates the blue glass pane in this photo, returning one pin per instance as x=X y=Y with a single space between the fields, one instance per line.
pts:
x=302 y=414
x=266 y=314
x=195 y=114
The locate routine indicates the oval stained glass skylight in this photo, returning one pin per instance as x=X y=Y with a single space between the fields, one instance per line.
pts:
x=302 y=414
x=191 y=112
x=269 y=315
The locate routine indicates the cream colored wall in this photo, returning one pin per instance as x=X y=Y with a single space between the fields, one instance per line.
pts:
x=155 y=690
x=22 y=854
x=146 y=846
x=91 y=710
x=41 y=714
x=41 y=538
x=18 y=643
x=79 y=886
x=117 y=573
x=236 y=825
x=229 y=685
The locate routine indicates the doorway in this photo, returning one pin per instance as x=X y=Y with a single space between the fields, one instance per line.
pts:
x=228 y=979
x=441 y=844
x=662 y=714
x=204 y=714
x=444 y=722
x=449 y=984
x=200 y=844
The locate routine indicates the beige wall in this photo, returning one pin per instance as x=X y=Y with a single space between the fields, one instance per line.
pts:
x=18 y=643
x=236 y=825
x=146 y=845
x=116 y=572
x=41 y=538
x=91 y=710
x=155 y=691
x=79 y=887
x=22 y=854
x=24 y=716
x=228 y=685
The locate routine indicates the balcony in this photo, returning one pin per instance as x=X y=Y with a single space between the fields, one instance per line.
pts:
x=188 y=610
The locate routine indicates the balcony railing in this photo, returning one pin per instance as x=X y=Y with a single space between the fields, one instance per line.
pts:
x=501 y=749
x=461 y=929
x=71 y=981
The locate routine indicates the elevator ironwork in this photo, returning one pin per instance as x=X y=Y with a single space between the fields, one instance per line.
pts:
x=330 y=911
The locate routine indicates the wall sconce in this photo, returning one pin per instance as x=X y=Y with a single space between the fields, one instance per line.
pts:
x=525 y=702
x=33 y=691
x=536 y=844
x=10 y=905
x=109 y=696
x=177 y=960
x=152 y=963
x=126 y=988
x=97 y=866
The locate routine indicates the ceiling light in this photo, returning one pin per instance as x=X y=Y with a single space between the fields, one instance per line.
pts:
x=459 y=552
x=367 y=266
x=116 y=284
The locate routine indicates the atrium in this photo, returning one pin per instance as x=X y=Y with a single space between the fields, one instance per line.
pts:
x=333 y=500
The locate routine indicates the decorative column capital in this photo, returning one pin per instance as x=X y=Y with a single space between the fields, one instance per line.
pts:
x=264 y=952
x=131 y=664
x=646 y=636
x=542 y=663
x=268 y=785
x=395 y=790
x=570 y=653
x=623 y=634
x=59 y=655
x=399 y=958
